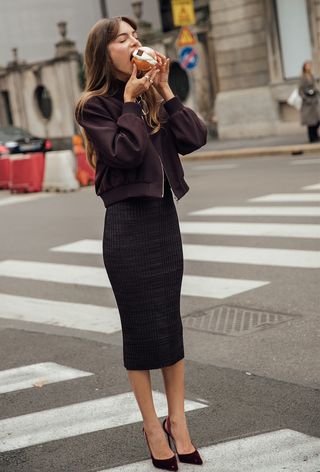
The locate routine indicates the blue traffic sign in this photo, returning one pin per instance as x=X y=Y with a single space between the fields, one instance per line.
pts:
x=188 y=57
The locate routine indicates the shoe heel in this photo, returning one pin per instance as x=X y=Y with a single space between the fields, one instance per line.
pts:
x=171 y=444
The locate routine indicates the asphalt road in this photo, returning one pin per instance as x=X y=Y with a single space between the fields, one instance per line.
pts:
x=250 y=308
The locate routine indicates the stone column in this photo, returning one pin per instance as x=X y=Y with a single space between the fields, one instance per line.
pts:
x=244 y=103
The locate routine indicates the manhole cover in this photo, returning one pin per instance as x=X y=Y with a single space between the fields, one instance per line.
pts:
x=234 y=321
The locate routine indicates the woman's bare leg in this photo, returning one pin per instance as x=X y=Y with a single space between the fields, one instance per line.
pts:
x=173 y=376
x=140 y=381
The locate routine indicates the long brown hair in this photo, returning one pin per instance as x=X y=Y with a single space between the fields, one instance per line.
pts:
x=100 y=75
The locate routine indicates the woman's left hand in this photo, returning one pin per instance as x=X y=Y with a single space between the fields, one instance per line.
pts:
x=160 y=82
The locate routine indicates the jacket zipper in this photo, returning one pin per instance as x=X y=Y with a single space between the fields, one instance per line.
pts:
x=162 y=176
x=174 y=195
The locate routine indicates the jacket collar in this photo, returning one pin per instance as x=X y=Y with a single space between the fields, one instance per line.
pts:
x=117 y=89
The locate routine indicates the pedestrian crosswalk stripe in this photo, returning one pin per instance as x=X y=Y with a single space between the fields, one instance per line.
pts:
x=311 y=187
x=192 y=285
x=64 y=314
x=217 y=287
x=252 y=229
x=230 y=254
x=78 y=418
x=34 y=375
x=305 y=161
x=284 y=449
x=84 y=246
x=23 y=198
x=287 y=197
x=260 y=211
x=251 y=255
x=214 y=166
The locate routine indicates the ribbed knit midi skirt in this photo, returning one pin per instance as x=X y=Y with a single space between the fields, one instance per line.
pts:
x=142 y=252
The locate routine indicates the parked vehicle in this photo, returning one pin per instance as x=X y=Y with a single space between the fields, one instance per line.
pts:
x=14 y=140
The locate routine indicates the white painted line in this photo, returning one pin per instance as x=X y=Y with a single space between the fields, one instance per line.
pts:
x=43 y=373
x=64 y=314
x=260 y=211
x=23 y=198
x=287 y=197
x=252 y=255
x=252 y=229
x=232 y=254
x=84 y=246
x=311 y=187
x=215 y=166
x=217 y=287
x=197 y=286
x=305 y=161
x=78 y=418
x=283 y=450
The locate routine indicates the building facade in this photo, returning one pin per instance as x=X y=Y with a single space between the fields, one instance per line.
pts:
x=251 y=53
x=259 y=48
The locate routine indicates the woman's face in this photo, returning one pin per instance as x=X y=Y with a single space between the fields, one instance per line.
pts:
x=121 y=48
x=308 y=67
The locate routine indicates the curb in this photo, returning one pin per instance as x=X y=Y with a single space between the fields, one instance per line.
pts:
x=254 y=152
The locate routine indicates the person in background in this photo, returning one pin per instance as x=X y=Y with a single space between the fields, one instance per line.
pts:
x=310 y=110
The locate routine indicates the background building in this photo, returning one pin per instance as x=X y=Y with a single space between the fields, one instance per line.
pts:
x=260 y=46
x=251 y=52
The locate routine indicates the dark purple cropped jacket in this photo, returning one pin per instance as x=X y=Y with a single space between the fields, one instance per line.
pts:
x=131 y=162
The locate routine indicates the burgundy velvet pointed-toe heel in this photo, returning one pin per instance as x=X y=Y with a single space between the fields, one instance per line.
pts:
x=166 y=464
x=190 y=458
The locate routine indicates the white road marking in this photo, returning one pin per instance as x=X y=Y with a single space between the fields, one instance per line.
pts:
x=283 y=450
x=214 y=166
x=252 y=255
x=78 y=418
x=287 y=197
x=311 y=187
x=65 y=314
x=23 y=198
x=232 y=254
x=305 y=161
x=252 y=229
x=217 y=287
x=43 y=373
x=260 y=211
x=84 y=246
x=197 y=286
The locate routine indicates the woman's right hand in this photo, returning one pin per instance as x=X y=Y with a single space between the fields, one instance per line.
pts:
x=135 y=86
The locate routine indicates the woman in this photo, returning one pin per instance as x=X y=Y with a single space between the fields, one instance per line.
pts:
x=134 y=128
x=310 y=110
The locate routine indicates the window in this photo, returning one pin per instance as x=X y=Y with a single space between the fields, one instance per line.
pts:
x=294 y=35
x=43 y=100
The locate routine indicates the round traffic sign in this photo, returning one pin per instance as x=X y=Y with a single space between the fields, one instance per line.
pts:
x=188 y=57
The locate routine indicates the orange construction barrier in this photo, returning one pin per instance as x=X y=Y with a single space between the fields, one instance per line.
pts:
x=85 y=173
x=4 y=171
x=26 y=172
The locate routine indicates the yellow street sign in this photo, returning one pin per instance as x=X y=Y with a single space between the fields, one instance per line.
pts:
x=185 y=37
x=183 y=12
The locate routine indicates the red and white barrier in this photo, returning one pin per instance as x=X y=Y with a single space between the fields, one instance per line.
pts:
x=4 y=171
x=85 y=173
x=60 y=171
x=26 y=172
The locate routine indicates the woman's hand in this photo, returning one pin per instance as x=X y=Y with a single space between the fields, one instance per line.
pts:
x=161 y=80
x=136 y=87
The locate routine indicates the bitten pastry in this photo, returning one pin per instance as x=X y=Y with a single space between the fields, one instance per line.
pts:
x=144 y=58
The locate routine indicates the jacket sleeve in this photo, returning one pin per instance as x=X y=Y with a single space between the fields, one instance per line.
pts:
x=190 y=133
x=121 y=142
